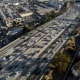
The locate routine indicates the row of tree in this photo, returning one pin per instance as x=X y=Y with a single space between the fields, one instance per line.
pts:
x=59 y=63
x=61 y=60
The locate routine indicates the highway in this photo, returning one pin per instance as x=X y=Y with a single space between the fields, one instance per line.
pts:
x=50 y=53
x=43 y=42
x=55 y=50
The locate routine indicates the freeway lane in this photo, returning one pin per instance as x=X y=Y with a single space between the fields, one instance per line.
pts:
x=38 y=54
x=43 y=65
x=13 y=44
x=11 y=61
x=41 y=57
x=19 y=40
x=49 y=55
x=6 y=48
x=56 y=50
x=35 y=42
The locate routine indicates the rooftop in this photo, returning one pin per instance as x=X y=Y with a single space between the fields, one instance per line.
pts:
x=76 y=67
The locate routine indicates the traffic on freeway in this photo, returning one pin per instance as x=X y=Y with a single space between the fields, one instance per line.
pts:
x=32 y=55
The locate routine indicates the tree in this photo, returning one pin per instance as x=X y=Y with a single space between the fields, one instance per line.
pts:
x=71 y=44
x=48 y=76
x=61 y=61
x=72 y=1
x=15 y=24
x=77 y=31
x=29 y=28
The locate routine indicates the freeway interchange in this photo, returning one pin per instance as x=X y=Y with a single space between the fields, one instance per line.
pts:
x=27 y=57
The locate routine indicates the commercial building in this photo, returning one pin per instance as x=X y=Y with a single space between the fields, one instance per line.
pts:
x=8 y=14
x=23 y=11
x=76 y=69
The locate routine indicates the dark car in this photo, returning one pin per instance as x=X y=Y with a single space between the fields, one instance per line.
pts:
x=45 y=60
x=3 y=78
x=37 y=71
x=7 y=57
x=13 y=74
x=1 y=67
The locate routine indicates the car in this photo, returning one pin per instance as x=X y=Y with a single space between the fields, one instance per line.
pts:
x=2 y=59
x=4 y=78
x=7 y=56
x=23 y=67
x=14 y=54
x=22 y=37
x=50 y=50
x=60 y=40
x=25 y=72
x=25 y=56
x=16 y=73
x=66 y=33
x=9 y=67
x=31 y=54
x=15 y=66
x=66 y=38
x=45 y=59
x=17 y=47
x=57 y=42
x=3 y=43
x=55 y=34
x=27 y=65
x=22 y=45
x=37 y=71
x=59 y=29
x=12 y=74
x=1 y=66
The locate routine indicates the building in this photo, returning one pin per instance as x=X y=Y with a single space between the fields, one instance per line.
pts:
x=56 y=4
x=8 y=15
x=76 y=69
x=24 y=12
x=42 y=11
x=77 y=0
x=14 y=31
